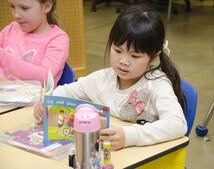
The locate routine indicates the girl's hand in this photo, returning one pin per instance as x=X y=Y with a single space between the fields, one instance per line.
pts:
x=38 y=111
x=115 y=135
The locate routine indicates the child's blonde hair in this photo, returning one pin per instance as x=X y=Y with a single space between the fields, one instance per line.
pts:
x=52 y=17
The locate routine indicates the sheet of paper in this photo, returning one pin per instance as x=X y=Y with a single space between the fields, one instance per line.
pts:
x=19 y=92
x=50 y=84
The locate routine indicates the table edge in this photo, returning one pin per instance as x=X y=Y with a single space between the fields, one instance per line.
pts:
x=10 y=110
x=161 y=154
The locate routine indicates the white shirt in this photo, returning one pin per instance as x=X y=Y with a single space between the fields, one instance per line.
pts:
x=159 y=113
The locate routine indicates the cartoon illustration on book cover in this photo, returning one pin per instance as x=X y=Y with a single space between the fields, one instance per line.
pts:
x=59 y=118
x=60 y=123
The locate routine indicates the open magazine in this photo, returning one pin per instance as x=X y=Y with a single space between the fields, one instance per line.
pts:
x=59 y=115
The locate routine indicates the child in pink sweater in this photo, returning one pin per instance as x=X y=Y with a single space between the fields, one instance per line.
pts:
x=33 y=43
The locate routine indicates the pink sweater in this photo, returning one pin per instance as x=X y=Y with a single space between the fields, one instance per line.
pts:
x=27 y=56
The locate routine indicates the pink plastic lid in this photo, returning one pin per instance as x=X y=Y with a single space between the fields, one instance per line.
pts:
x=86 y=119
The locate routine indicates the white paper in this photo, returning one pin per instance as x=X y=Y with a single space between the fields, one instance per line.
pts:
x=20 y=92
x=50 y=84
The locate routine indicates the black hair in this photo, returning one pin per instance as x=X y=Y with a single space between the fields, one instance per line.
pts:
x=142 y=28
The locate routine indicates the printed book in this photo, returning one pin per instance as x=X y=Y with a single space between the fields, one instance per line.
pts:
x=59 y=118
x=30 y=137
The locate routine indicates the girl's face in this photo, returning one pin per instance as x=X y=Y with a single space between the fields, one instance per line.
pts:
x=31 y=15
x=129 y=65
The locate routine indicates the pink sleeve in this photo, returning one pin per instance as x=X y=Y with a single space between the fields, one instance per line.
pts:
x=55 y=56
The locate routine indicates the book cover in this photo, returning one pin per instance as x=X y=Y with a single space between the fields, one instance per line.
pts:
x=59 y=117
x=30 y=138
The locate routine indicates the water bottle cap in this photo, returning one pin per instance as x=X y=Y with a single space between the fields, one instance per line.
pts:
x=86 y=119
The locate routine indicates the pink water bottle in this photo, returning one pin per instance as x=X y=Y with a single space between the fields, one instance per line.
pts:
x=86 y=131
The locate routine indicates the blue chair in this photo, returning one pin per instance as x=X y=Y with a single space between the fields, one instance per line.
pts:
x=191 y=100
x=68 y=75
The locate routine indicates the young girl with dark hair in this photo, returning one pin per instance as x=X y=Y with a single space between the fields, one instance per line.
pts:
x=133 y=87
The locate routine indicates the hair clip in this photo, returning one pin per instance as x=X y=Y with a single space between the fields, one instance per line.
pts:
x=166 y=49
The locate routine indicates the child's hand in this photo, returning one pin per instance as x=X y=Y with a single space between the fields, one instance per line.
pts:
x=38 y=111
x=115 y=135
